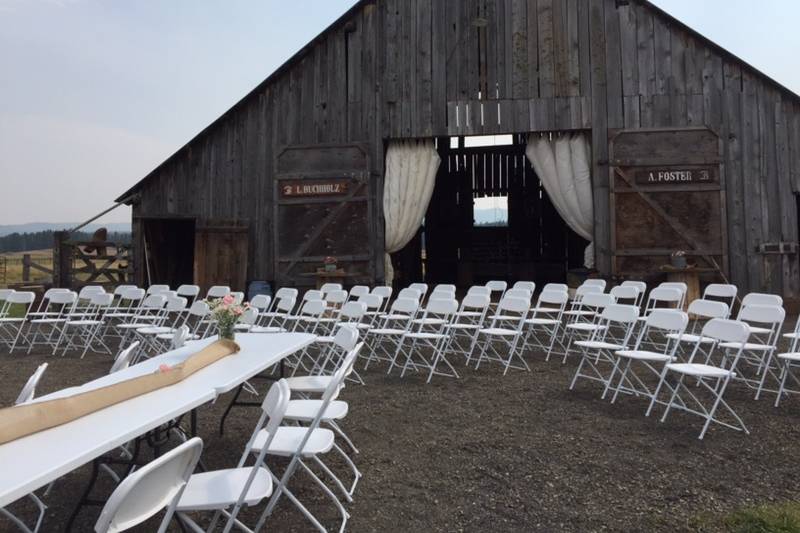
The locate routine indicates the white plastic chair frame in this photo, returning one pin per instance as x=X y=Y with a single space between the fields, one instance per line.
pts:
x=468 y=320
x=384 y=339
x=12 y=329
x=506 y=328
x=50 y=325
x=428 y=332
x=542 y=328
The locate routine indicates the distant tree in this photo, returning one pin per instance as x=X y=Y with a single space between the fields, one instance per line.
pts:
x=41 y=240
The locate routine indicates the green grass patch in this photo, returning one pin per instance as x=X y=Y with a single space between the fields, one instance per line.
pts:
x=780 y=518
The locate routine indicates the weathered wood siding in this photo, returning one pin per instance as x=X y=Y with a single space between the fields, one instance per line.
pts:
x=429 y=68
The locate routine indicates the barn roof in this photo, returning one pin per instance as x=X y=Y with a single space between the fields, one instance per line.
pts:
x=128 y=195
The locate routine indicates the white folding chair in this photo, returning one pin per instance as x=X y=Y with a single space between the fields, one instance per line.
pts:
x=759 y=350
x=155 y=486
x=157 y=289
x=725 y=292
x=227 y=491
x=283 y=292
x=11 y=328
x=386 y=294
x=628 y=294
x=190 y=292
x=526 y=285
x=422 y=288
x=595 y=282
x=641 y=286
x=669 y=323
x=29 y=390
x=468 y=320
x=41 y=310
x=124 y=358
x=506 y=328
x=556 y=287
x=357 y=291
x=680 y=286
x=384 y=339
x=598 y=350
x=50 y=326
x=334 y=349
x=702 y=311
x=546 y=320
x=276 y=320
x=790 y=361
x=713 y=379
x=587 y=322
x=82 y=329
x=427 y=332
x=328 y=287
x=4 y=294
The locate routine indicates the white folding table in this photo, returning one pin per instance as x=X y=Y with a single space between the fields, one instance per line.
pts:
x=32 y=462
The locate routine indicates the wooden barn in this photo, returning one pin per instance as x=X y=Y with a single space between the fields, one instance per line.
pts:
x=574 y=121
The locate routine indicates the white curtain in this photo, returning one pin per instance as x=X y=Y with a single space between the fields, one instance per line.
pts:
x=411 y=167
x=562 y=162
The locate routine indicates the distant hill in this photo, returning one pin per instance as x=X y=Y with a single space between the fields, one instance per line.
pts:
x=489 y=217
x=35 y=227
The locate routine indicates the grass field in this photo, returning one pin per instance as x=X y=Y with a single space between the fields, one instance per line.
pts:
x=11 y=266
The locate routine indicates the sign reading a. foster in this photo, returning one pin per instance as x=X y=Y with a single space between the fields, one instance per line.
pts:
x=675 y=176
x=299 y=188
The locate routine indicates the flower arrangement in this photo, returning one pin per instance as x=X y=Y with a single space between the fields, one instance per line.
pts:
x=330 y=263
x=226 y=313
x=678 y=259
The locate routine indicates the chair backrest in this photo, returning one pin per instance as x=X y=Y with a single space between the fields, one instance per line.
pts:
x=709 y=309
x=664 y=295
x=408 y=292
x=188 y=291
x=513 y=305
x=527 y=285
x=556 y=287
x=250 y=316
x=726 y=330
x=672 y=320
x=336 y=296
x=29 y=390
x=132 y=295
x=597 y=300
x=260 y=302
x=123 y=360
x=525 y=294
x=286 y=292
x=154 y=301
x=328 y=287
x=382 y=291
x=445 y=287
x=175 y=304
x=767 y=315
x=441 y=306
x=153 y=487
x=421 y=287
x=353 y=311
x=25 y=298
x=199 y=309
x=594 y=282
x=101 y=299
x=180 y=337
x=621 y=292
x=758 y=298
x=119 y=289
x=405 y=306
x=63 y=298
x=157 y=289
x=497 y=286
x=622 y=314
x=218 y=291
x=583 y=290
x=311 y=295
x=479 y=289
x=346 y=337
x=475 y=301
x=238 y=297
x=552 y=297
x=313 y=308
x=357 y=291
x=285 y=304
x=641 y=285
x=681 y=286
x=442 y=294
x=372 y=301
x=88 y=291
x=720 y=290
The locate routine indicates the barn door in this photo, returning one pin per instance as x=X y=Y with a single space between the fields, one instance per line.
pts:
x=667 y=195
x=220 y=255
x=322 y=207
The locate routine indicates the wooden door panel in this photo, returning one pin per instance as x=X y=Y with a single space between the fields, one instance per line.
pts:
x=220 y=258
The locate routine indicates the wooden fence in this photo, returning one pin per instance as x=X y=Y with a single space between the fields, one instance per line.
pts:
x=79 y=263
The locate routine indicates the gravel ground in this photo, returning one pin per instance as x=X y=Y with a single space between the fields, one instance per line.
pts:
x=494 y=453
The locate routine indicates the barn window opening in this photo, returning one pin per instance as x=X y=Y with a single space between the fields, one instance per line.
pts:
x=490 y=211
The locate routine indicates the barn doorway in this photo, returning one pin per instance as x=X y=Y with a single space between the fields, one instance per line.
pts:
x=168 y=248
x=489 y=218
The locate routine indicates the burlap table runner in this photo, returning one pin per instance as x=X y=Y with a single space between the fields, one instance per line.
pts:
x=22 y=420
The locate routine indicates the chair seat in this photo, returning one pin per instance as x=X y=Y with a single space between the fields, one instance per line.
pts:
x=430 y=321
x=464 y=326
x=119 y=315
x=48 y=320
x=309 y=384
x=599 y=345
x=8 y=320
x=394 y=317
x=135 y=325
x=790 y=356
x=689 y=337
x=155 y=330
x=83 y=322
x=503 y=332
x=790 y=335
x=758 y=330
x=387 y=331
x=324 y=339
x=579 y=312
x=242 y=327
x=267 y=329
x=699 y=370
x=542 y=321
x=169 y=337
x=545 y=309
x=586 y=327
x=643 y=355
x=425 y=336
x=469 y=313
x=505 y=317
x=288 y=439
x=218 y=489
x=307 y=410
x=751 y=346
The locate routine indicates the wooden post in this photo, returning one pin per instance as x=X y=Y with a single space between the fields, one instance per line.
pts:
x=26 y=267
x=62 y=260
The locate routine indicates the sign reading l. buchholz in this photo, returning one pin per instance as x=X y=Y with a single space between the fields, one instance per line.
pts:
x=301 y=188
x=675 y=176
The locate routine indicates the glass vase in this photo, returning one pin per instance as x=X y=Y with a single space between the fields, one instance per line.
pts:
x=227 y=331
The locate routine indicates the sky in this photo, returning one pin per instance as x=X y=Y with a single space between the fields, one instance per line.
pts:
x=96 y=93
